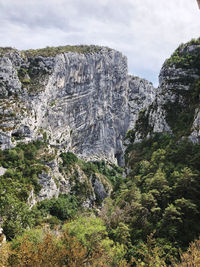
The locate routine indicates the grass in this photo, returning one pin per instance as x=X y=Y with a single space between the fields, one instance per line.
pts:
x=53 y=51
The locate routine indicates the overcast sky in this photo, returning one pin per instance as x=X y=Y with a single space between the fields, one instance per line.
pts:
x=146 y=31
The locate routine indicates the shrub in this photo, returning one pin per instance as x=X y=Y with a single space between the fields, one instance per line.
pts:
x=69 y=159
x=64 y=207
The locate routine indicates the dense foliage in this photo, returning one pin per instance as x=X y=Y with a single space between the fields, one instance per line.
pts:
x=151 y=214
x=75 y=246
x=161 y=193
x=184 y=57
x=64 y=207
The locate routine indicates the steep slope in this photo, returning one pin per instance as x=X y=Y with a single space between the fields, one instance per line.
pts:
x=81 y=99
x=160 y=195
x=176 y=108
x=55 y=100
x=78 y=98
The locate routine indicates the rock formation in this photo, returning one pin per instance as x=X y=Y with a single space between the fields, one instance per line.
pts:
x=176 y=107
x=79 y=101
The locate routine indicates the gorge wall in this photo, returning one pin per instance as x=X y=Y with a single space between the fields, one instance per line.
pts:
x=176 y=108
x=82 y=101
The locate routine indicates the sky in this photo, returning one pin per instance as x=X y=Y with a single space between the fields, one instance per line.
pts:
x=146 y=31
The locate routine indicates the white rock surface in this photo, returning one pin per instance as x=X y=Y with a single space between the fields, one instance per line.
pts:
x=84 y=103
x=2 y=171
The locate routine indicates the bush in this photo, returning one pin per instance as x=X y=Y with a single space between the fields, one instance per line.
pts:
x=64 y=207
x=69 y=159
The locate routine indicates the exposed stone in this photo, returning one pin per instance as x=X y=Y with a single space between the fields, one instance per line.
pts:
x=101 y=187
x=49 y=188
x=176 y=105
x=2 y=171
x=195 y=135
x=141 y=95
x=84 y=103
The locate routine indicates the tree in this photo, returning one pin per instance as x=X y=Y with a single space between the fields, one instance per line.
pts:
x=17 y=216
x=190 y=258
x=171 y=222
x=89 y=231
x=150 y=255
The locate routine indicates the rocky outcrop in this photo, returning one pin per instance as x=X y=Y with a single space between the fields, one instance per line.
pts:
x=81 y=99
x=176 y=107
x=141 y=95
x=2 y=171
x=82 y=102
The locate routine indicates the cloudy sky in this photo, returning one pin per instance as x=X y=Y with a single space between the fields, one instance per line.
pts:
x=146 y=31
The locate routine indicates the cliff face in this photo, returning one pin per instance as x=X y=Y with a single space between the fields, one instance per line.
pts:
x=176 y=108
x=81 y=101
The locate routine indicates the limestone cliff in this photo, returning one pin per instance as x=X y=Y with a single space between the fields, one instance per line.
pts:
x=176 y=108
x=77 y=98
x=81 y=99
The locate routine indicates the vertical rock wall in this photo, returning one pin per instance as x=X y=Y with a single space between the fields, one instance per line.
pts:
x=82 y=102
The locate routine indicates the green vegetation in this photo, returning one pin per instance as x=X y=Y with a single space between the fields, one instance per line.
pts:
x=161 y=193
x=53 y=51
x=180 y=114
x=112 y=172
x=184 y=58
x=83 y=242
x=4 y=50
x=23 y=164
x=69 y=159
x=151 y=214
x=64 y=207
x=44 y=136
x=34 y=76
x=150 y=219
x=142 y=126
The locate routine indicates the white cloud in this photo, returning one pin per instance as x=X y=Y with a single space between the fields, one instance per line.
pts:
x=145 y=31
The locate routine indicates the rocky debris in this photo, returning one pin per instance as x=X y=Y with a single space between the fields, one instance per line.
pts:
x=195 y=133
x=5 y=140
x=99 y=188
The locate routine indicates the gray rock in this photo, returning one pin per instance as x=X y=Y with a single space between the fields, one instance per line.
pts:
x=49 y=188
x=176 y=83
x=84 y=103
x=2 y=171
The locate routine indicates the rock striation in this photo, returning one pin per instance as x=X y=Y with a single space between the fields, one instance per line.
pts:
x=82 y=100
x=79 y=101
x=176 y=108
